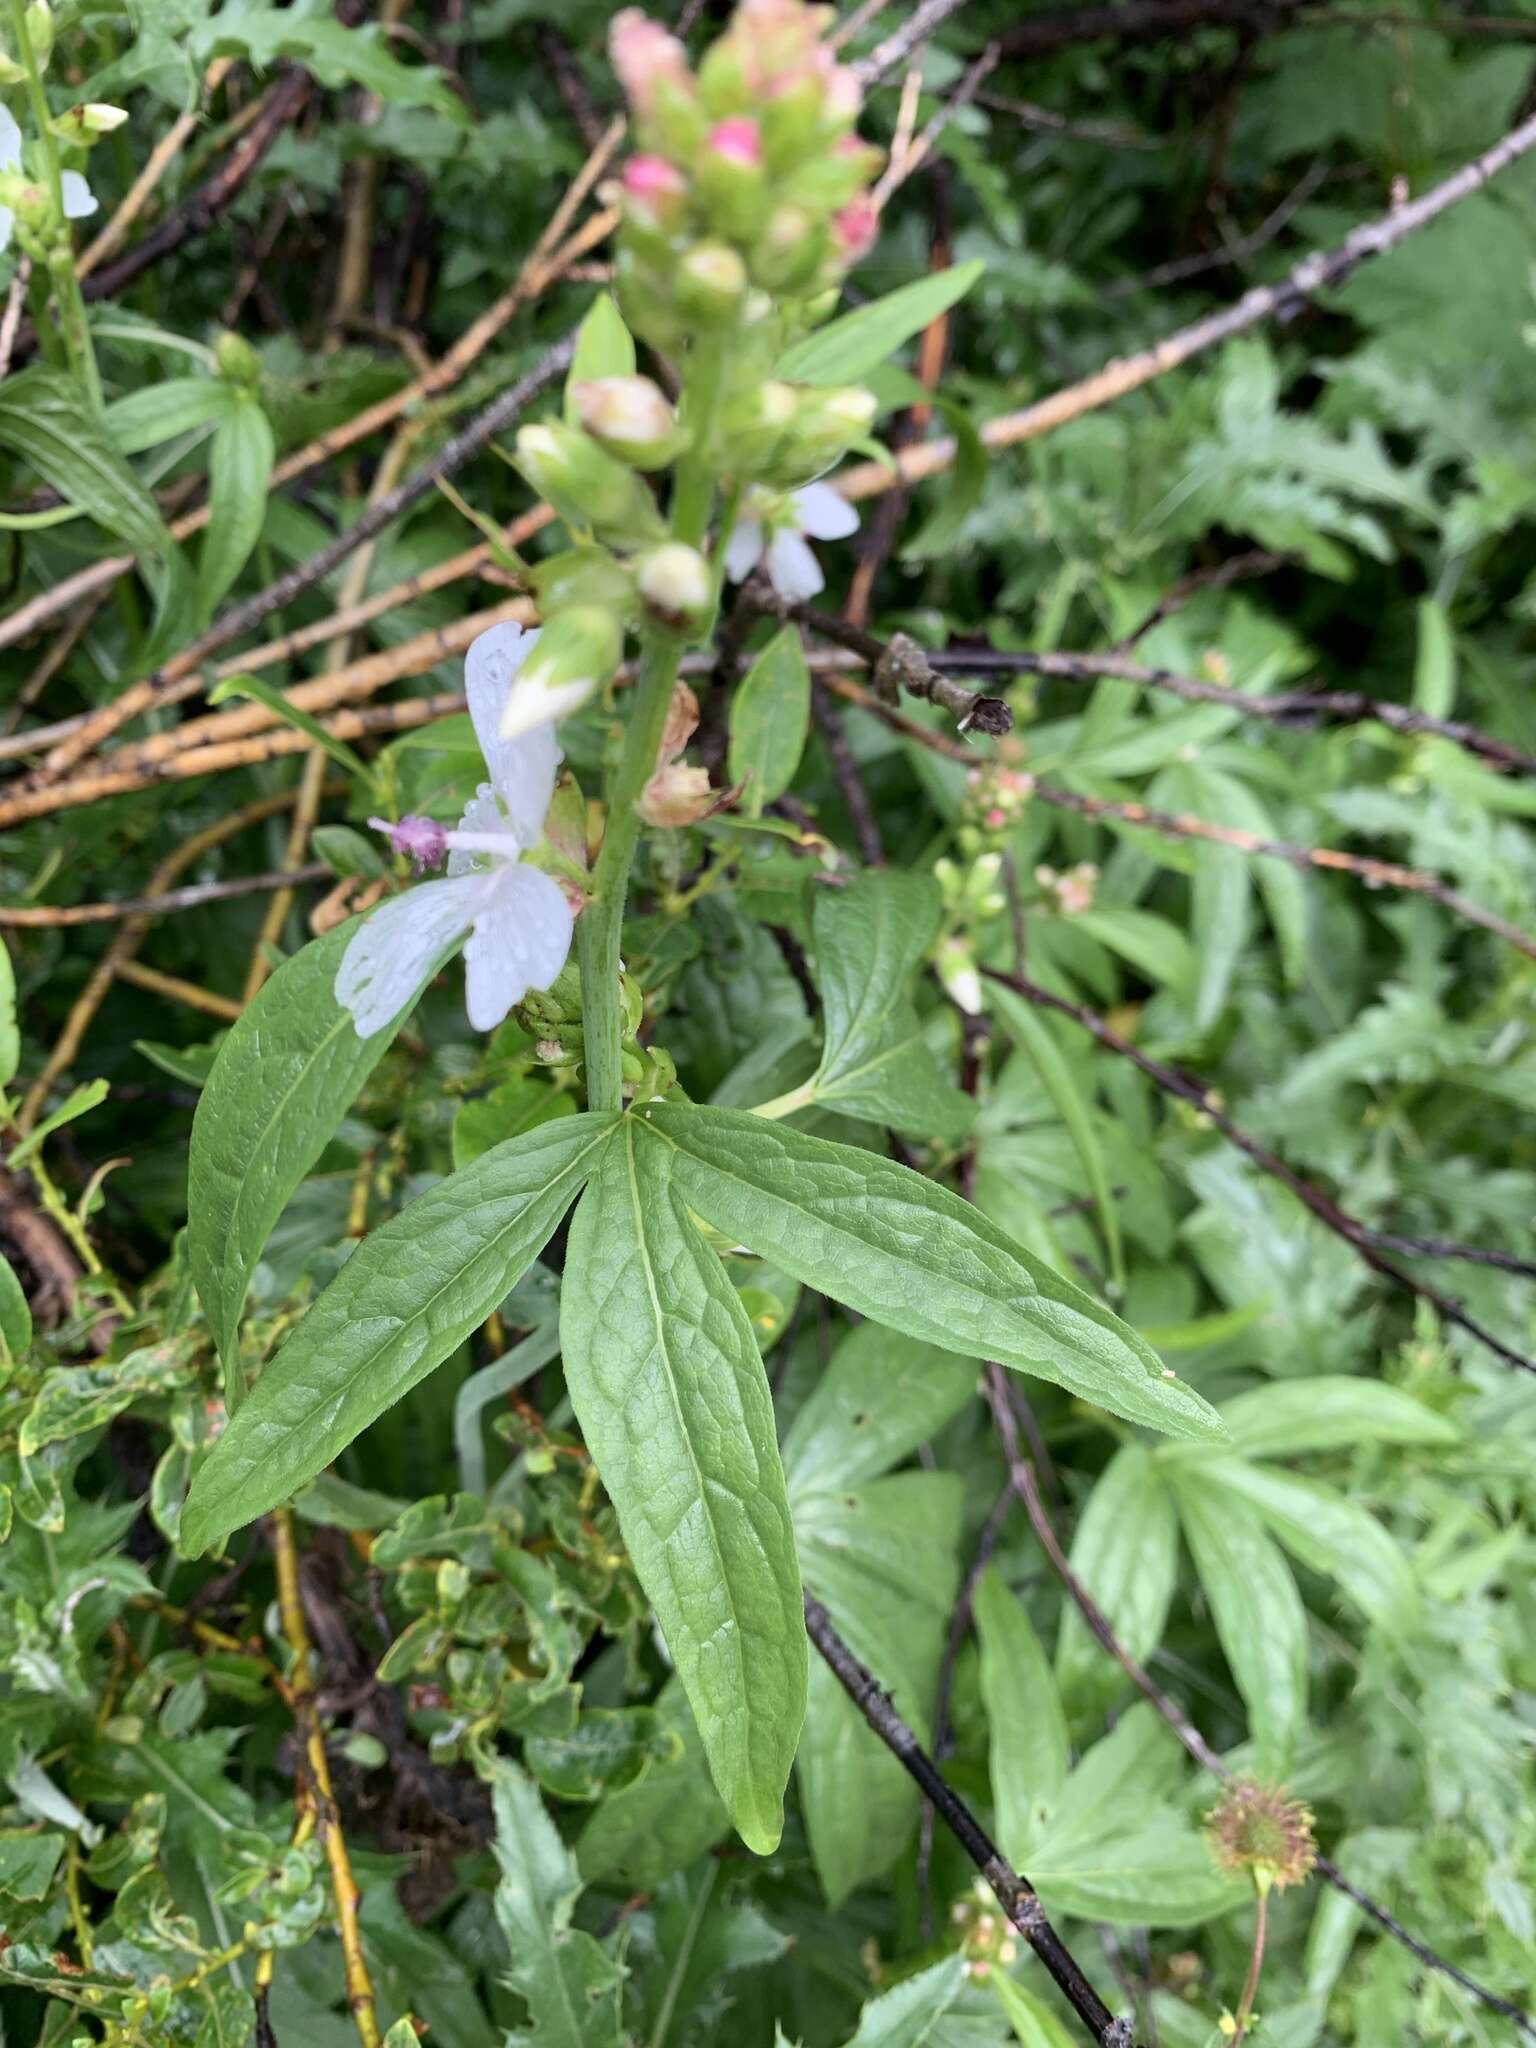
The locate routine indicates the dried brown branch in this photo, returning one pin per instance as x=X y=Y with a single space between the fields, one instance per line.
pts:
x=1025 y=1483
x=126 y=942
x=249 y=613
x=156 y=164
x=1346 y=706
x=1361 y=1239
x=1319 y=271
x=56 y=916
x=1014 y=1893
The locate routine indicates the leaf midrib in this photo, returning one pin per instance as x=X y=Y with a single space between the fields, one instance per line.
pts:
x=365 y=1365
x=660 y=1321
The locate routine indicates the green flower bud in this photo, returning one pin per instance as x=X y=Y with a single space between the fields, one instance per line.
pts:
x=574 y=654
x=711 y=282
x=630 y=417
x=723 y=85
x=237 y=361
x=828 y=179
x=793 y=123
x=645 y=299
x=826 y=424
x=87 y=121
x=731 y=179
x=39 y=24
x=11 y=73
x=676 y=586
x=585 y=484
x=589 y=575
x=756 y=428
x=790 y=250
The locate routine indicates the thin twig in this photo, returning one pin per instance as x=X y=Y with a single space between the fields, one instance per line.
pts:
x=1376 y=874
x=301 y=1691
x=1318 y=271
x=1014 y=1893
x=348 y=619
x=1357 y=1235
x=925 y=20
x=126 y=942
x=954 y=1637
x=284 y=101
x=1025 y=1483
x=1345 y=706
x=53 y=916
x=158 y=162
x=250 y=612
x=845 y=772
x=1231 y=253
x=533 y=279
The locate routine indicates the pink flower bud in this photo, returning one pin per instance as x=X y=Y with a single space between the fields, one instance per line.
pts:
x=854 y=229
x=647 y=58
x=652 y=181
x=738 y=141
x=422 y=840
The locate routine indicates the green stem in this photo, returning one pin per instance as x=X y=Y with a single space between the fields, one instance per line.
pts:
x=1255 y=1965
x=601 y=924
x=77 y=335
x=693 y=495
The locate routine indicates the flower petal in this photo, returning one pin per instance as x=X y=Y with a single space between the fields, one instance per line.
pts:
x=823 y=513
x=79 y=200
x=520 y=941
x=10 y=141
x=393 y=953
x=744 y=550
x=523 y=769
x=793 y=570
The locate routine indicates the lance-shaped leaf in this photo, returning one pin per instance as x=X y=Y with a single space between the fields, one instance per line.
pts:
x=875 y=1063
x=668 y=1386
x=408 y=1296
x=1257 y=1611
x=909 y=1254
x=285 y=1077
x=569 y=1981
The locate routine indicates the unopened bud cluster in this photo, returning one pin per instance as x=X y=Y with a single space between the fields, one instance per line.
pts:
x=741 y=212
x=749 y=173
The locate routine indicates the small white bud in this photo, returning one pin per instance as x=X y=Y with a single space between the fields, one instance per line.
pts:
x=675 y=582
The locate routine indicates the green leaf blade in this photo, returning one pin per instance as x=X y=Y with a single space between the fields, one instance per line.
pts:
x=770 y=716
x=668 y=1385
x=405 y=1299
x=849 y=348
x=896 y=1248
x=284 y=1078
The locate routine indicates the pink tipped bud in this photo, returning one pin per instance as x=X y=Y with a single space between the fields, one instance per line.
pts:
x=651 y=180
x=738 y=141
x=843 y=99
x=854 y=229
x=647 y=58
x=422 y=840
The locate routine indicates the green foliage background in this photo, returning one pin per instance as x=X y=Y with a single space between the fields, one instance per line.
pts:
x=1340 y=1597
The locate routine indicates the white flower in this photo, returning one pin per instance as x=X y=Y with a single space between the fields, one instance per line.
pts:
x=77 y=194
x=774 y=534
x=516 y=916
